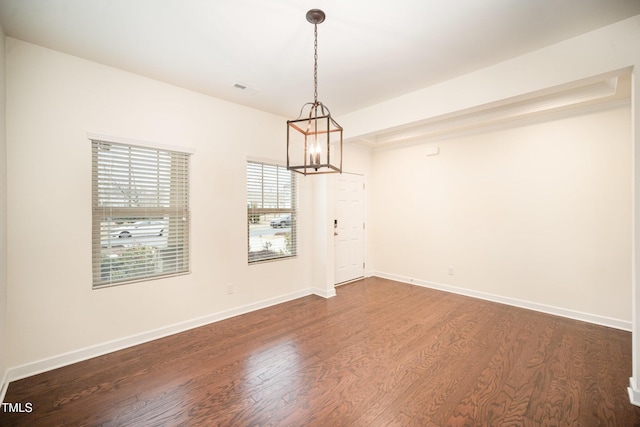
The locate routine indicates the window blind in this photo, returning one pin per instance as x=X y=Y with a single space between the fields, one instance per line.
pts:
x=271 y=212
x=140 y=213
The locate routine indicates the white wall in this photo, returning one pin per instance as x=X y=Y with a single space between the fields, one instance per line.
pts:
x=538 y=213
x=53 y=100
x=3 y=221
x=607 y=49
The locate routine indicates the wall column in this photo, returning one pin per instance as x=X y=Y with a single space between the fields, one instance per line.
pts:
x=322 y=262
x=634 y=381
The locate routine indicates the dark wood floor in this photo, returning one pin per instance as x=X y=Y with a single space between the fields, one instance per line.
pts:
x=380 y=353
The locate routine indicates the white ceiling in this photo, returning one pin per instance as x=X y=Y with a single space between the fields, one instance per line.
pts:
x=369 y=51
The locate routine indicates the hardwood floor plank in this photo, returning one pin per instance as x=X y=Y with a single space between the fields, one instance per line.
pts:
x=487 y=400
x=452 y=374
x=433 y=364
x=380 y=353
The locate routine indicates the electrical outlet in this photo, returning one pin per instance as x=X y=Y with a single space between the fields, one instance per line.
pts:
x=450 y=271
x=230 y=288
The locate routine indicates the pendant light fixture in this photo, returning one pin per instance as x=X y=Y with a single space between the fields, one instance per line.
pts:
x=314 y=139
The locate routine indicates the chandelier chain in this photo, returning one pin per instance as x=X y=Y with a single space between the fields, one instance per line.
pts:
x=315 y=63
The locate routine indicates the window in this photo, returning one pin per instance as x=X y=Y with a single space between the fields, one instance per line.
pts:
x=140 y=213
x=271 y=212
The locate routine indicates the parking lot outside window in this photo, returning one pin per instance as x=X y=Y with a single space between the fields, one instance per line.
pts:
x=140 y=204
x=271 y=212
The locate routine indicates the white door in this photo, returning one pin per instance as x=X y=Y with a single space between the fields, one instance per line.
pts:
x=349 y=227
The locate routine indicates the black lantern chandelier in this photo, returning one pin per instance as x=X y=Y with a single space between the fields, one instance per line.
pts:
x=314 y=139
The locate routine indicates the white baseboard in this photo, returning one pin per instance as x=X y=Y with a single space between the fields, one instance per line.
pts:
x=634 y=392
x=557 y=311
x=33 y=368
x=48 y=364
x=3 y=386
x=324 y=293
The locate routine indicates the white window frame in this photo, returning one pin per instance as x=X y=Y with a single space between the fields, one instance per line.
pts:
x=272 y=206
x=158 y=215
